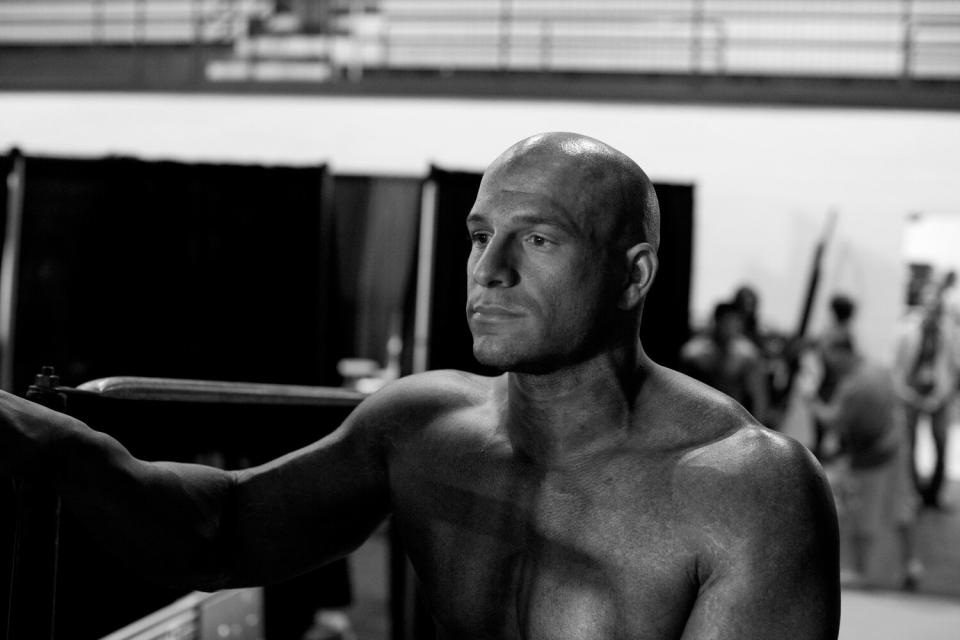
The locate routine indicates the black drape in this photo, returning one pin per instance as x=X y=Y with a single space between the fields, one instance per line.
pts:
x=170 y=269
x=666 y=312
x=450 y=344
x=376 y=220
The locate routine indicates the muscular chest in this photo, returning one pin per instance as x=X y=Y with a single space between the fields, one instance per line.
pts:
x=503 y=551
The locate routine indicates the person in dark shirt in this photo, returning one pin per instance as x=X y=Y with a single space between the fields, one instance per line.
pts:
x=726 y=360
x=866 y=414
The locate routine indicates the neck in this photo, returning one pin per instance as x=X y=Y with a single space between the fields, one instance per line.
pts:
x=566 y=414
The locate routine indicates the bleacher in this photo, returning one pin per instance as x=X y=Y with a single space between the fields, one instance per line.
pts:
x=326 y=45
x=110 y=22
x=834 y=38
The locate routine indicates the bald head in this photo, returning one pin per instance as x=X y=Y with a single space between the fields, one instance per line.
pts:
x=564 y=233
x=591 y=177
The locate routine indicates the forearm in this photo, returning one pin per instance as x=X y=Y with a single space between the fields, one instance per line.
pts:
x=198 y=526
x=163 y=520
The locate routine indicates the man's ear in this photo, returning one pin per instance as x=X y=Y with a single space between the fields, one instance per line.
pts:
x=642 y=264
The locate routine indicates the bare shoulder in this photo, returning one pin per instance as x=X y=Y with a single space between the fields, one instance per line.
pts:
x=738 y=476
x=442 y=390
x=754 y=469
x=414 y=402
x=758 y=514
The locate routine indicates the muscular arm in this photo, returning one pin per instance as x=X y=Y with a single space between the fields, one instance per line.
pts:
x=202 y=527
x=769 y=565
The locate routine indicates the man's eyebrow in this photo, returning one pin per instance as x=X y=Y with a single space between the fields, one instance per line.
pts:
x=476 y=217
x=532 y=219
x=526 y=219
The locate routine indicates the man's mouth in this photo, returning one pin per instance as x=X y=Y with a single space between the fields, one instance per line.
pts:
x=493 y=313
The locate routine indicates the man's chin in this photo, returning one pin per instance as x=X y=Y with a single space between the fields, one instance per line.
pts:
x=503 y=360
x=495 y=356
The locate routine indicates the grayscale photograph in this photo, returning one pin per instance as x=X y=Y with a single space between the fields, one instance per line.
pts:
x=479 y=319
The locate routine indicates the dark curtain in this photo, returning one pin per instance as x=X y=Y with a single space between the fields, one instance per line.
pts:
x=666 y=312
x=377 y=224
x=169 y=269
x=450 y=340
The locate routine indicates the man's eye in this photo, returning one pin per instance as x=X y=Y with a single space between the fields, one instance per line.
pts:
x=537 y=240
x=480 y=238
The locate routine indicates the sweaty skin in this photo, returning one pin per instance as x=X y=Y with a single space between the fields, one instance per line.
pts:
x=588 y=493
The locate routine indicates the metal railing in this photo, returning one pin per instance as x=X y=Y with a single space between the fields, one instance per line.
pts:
x=883 y=38
x=898 y=39
x=96 y=22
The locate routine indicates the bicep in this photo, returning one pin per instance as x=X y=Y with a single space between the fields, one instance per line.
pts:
x=310 y=506
x=786 y=600
x=778 y=577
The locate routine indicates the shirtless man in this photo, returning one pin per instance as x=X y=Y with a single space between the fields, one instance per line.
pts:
x=588 y=493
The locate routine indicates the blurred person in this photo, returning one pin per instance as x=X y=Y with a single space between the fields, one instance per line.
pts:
x=842 y=311
x=774 y=351
x=726 y=360
x=585 y=493
x=747 y=302
x=926 y=364
x=950 y=294
x=868 y=418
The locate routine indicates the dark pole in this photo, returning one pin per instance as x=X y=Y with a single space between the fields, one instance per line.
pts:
x=36 y=539
x=814 y=281
x=797 y=344
x=10 y=268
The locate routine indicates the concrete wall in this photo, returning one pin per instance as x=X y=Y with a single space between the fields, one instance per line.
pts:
x=765 y=178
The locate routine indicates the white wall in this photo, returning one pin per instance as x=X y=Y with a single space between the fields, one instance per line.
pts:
x=934 y=238
x=765 y=178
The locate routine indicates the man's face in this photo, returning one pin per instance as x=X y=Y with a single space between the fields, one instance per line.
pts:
x=541 y=277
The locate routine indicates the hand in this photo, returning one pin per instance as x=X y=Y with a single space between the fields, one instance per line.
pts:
x=27 y=429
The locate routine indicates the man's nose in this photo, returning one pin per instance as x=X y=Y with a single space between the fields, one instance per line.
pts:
x=494 y=267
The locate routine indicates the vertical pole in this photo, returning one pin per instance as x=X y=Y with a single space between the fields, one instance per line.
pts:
x=355 y=70
x=403 y=587
x=423 y=307
x=696 y=36
x=99 y=22
x=10 y=268
x=139 y=35
x=907 y=43
x=506 y=26
x=546 y=44
x=139 y=22
x=197 y=14
x=196 y=17
x=36 y=539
